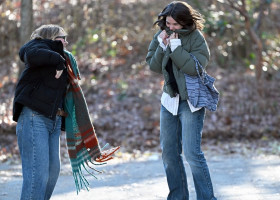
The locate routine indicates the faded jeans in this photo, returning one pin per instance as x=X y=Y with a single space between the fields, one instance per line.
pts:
x=38 y=140
x=184 y=131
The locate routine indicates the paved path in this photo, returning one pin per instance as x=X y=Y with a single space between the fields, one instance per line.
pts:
x=234 y=177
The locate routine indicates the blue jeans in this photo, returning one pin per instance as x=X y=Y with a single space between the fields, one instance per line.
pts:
x=38 y=140
x=184 y=132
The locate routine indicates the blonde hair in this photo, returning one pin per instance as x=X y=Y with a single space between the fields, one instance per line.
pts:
x=48 y=31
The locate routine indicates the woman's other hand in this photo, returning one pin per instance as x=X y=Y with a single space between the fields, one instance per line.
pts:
x=164 y=36
x=58 y=73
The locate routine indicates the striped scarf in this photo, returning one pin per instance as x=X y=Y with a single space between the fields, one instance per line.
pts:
x=82 y=143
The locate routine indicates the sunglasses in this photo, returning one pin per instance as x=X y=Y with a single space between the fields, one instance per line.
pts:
x=62 y=37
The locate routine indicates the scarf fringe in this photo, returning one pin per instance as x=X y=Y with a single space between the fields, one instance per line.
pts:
x=79 y=178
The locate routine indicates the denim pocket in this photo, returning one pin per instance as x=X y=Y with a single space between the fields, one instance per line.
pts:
x=20 y=123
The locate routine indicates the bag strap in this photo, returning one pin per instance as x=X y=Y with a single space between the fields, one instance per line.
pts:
x=203 y=76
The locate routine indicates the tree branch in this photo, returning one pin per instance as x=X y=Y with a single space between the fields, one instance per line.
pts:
x=252 y=33
x=262 y=7
x=231 y=4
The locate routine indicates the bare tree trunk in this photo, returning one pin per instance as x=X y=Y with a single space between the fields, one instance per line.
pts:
x=26 y=25
x=255 y=39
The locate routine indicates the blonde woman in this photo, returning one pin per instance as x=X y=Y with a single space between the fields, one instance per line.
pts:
x=48 y=93
x=38 y=110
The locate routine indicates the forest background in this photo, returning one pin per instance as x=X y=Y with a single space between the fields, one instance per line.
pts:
x=110 y=38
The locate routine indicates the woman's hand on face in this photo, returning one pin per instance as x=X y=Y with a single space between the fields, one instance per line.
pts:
x=164 y=36
x=58 y=73
x=173 y=36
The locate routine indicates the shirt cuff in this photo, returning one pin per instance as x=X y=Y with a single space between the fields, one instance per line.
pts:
x=161 y=44
x=174 y=43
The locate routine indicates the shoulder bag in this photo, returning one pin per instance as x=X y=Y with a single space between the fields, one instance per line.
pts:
x=201 y=89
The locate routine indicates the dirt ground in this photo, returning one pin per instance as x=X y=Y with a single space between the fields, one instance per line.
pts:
x=142 y=177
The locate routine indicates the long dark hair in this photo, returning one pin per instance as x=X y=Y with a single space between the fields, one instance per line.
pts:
x=183 y=14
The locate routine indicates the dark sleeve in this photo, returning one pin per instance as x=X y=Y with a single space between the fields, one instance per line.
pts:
x=38 y=57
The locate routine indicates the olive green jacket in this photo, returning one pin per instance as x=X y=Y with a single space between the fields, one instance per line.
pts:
x=191 y=42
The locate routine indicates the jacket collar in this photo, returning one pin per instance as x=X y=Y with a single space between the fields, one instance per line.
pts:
x=181 y=32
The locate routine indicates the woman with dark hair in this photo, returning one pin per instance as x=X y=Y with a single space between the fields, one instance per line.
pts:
x=171 y=54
